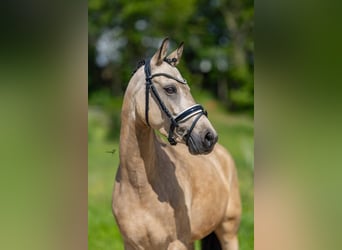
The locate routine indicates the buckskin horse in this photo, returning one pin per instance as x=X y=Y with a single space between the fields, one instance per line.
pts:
x=169 y=194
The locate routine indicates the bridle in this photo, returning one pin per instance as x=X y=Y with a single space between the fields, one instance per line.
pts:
x=186 y=114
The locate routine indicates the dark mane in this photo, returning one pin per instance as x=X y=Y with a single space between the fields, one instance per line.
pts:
x=140 y=63
x=170 y=61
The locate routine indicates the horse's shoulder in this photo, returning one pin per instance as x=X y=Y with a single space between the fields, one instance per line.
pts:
x=225 y=159
x=221 y=151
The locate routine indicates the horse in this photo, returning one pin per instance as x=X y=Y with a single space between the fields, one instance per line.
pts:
x=169 y=193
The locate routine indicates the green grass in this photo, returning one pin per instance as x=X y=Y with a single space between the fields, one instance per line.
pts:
x=236 y=133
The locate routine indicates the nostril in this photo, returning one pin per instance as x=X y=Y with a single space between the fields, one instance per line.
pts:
x=209 y=139
x=209 y=136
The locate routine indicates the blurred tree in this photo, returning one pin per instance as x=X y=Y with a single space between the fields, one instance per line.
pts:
x=218 y=36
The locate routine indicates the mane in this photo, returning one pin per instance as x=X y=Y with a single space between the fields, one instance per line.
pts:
x=140 y=63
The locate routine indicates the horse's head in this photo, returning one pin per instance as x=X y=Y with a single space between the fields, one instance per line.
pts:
x=166 y=104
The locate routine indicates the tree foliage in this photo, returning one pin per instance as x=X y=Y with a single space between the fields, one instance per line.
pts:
x=219 y=48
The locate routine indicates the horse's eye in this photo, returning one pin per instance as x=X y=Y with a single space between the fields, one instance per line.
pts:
x=170 y=90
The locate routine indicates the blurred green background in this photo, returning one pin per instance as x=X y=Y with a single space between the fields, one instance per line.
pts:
x=218 y=63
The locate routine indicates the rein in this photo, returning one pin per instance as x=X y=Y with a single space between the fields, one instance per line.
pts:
x=196 y=109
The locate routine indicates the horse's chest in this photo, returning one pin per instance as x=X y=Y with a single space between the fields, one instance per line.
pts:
x=209 y=203
x=153 y=219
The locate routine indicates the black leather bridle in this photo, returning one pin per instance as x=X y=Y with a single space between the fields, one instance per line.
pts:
x=196 y=109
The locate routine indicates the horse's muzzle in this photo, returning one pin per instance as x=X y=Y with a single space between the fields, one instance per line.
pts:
x=202 y=144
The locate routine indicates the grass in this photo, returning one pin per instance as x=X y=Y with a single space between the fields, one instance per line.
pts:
x=236 y=133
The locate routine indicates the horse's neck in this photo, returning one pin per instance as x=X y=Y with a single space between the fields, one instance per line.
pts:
x=138 y=153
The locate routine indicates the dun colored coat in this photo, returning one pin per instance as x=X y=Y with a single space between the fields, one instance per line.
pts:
x=166 y=197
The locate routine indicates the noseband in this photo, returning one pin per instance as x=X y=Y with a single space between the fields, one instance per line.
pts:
x=196 y=109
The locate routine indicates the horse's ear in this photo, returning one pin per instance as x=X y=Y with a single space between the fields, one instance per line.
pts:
x=161 y=52
x=176 y=55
